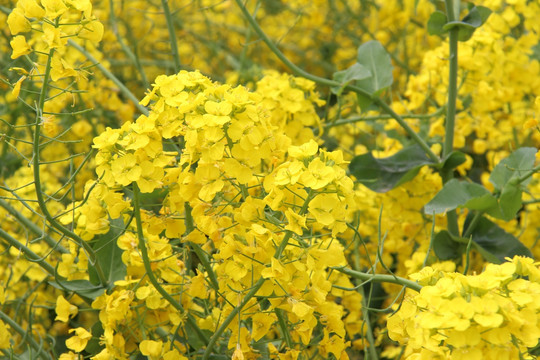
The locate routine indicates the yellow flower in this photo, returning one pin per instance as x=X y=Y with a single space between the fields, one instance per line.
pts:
x=54 y=8
x=31 y=8
x=238 y=354
x=92 y=31
x=60 y=68
x=305 y=150
x=151 y=348
x=17 y=22
x=19 y=46
x=318 y=175
x=261 y=323
x=69 y=356
x=296 y=223
x=78 y=342
x=322 y=206
x=64 y=310
x=126 y=170
x=53 y=36
x=17 y=87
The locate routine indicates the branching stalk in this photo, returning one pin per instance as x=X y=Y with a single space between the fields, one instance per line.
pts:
x=380 y=278
x=148 y=267
x=37 y=178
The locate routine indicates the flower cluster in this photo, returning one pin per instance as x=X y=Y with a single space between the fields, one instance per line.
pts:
x=492 y=315
x=258 y=205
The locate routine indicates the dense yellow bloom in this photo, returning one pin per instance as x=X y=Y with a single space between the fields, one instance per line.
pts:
x=492 y=313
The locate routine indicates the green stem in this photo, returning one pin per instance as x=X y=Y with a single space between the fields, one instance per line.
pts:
x=372 y=351
x=528 y=174
x=37 y=177
x=380 y=278
x=123 y=89
x=172 y=35
x=323 y=81
x=380 y=117
x=448 y=146
x=31 y=255
x=231 y=317
x=206 y=264
x=282 y=321
x=148 y=267
x=33 y=227
x=188 y=220
x=39 y=348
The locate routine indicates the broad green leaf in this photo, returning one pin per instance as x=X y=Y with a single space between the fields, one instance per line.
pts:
x=83 y=288
x=494 y=243
x=108 y=253
x=384 y=174
x=453 y=160
x=364 y=102
x=457 y=193
x=374 y=58
x=510 y=201
x=93 y=347
x=355 y=72
x=446 y=247
x=436 y=22
x=515 y=165
x=476 y=17
x=192 y=337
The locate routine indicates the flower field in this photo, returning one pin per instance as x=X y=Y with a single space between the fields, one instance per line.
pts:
x=267 y=179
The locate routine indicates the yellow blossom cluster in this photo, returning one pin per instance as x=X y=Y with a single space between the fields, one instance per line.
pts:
x=255 y=201
x=492 y=315
x=222 y=219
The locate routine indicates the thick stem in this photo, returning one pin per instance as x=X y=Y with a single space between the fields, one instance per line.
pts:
x=448 y=147
x=148 y=267
x=380 y=278
x=32 y=227
x=29 y=253
x=37 y=177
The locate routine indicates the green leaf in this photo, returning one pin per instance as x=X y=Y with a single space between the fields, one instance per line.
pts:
x=494 y=243
x=384 y=174
x=109 y=255
x=374 y=58
x=94 y=347
x=446 y=247
x=510 y=201
x=83 y=288
x=457 y=193
x=436 y=22
x=355 y=72
x=453 y=160
x=476 y=17
x=512 y=167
